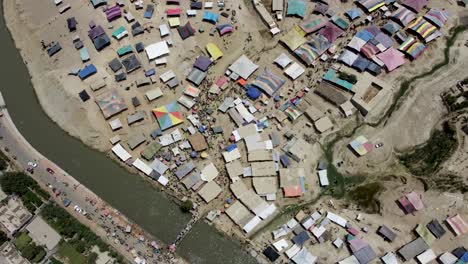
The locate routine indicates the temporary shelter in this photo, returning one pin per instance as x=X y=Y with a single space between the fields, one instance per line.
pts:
x=124 y=50
x=361 y=145
x=391 y=28
x=115 y=65
x=54 y=49
x=412 y=249
x=421 y=27
x=403 y=15
x=294 y=71
x=186 y=31
x=331 y=32
x=354 y=13
x=437 y=16
x=340 y=22
x=149 y=11
x=210 y=191
x=312 y=49
x=131 y=63
x=243 y=67
x=196 y=76
x=157 y=50
x=436 y=228
x=268 y=82
x=210 y=17
x=296 y=8
x=293 y=39
x=392 y=58
x=415 y=5
x=371 y=5
x=87 y=71
x=321 y=8
x=313 y=25
x=97 y=3
x=202 y=63
x=412 y=47
x=71 y=24
x=458 y=225
x=168 y=115
x=120 y=33
x=113 y=13
x=348 y=57
x=214 y=51
x=332 y=76
x=224 y=29
x=283 y=60
x=110 y=103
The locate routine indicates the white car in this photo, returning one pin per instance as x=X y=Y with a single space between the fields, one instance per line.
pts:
x=32 y=164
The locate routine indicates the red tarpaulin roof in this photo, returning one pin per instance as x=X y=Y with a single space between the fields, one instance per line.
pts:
x=415 y=5
x=392 y=58
x=331 y=32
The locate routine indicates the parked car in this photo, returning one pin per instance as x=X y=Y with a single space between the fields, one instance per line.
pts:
x=66 y=202
x=51 y=171
x=32 y=164
x=378 y=145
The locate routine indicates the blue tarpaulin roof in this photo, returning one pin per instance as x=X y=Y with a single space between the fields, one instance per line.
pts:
x=354 y=13
x=210 y=17
x=87 y=71
x=296 y=8
x=253 y=93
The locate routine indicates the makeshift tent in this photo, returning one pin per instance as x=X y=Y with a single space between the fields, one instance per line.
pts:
x=268 y=82
x=168 y=115
x=110 y=103
x=296 y=8
x=131 y=63
x=354 y=13
x=340 y=22
x=196 y=76
x=403 y=15
x=383 y=41
x=224 y=29
x=331 y=32
x=120 y=33
x=361 y=63
x=113 y=13
x=458 y=225
x=371 y=5
x=437 y=16
x=321 y=8
x=387 y=233
x=124 y=50
x=210 y=17
x=421 y=27
x=84 y=96
x=415 y=5
x=243 y=67
x=374 y=68
x=173 y=11
x=271 y=254
x=348 y=57
x=361 y=145
x=97 y=3
x=436 y=228
x=186 y=31
x=71 y=24
x=392 y=58
x=369 y=49
x=157 y=50
x=87 y=71
x=332 y=76
x=84 y=54
x=149 y=11
x=202 y=63
x=283 y=60
x=412 y=47
x=115 y=65
x=294 y=71
x=214 y=51
x=174 y=22
x=253 y=93
x=313 y=49
x=313 y=25
x=391 y=28
x=54 y=49
x=139 y=47
x=293 y=39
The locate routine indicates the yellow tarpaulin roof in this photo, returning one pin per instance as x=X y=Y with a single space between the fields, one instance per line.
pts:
x=293 y=39
x=174 y=22
x=214 y=51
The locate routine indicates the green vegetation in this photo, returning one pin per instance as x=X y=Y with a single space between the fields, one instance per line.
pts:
x=55 y=261
x=426 y=159
x=4 y=160
x=445 y=183
x=25 y=187
x=92 y=257
x=366 y=196
x=451 y=102
x=186 y=206
x=29 y=249
x=348 y=77
x=68 y=252
x=3 y=237
x=80 y=237
x=406 y=85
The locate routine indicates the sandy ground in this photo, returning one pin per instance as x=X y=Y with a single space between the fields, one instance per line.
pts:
x=32 y=21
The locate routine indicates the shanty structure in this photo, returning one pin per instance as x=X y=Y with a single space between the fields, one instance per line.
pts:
x=168 y=115
x=412 y=249
x=313 y=49
x=210 y=191
x=437 y=17
x=214 y=51
x=391 y=58
x=403 y=15
x=361 y=145
x=371 y=5
x=243 y=67
x=313 y=24
x=415 y=5
x=268 y=82
x=110 y=103
x=331 y=32
x=458 y=225
x=386 y=233
x=157 y=50
x=296 y=8
x=293 y=39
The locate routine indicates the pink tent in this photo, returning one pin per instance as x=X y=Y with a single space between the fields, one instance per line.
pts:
x=331 y=32
x=415 y=5
x=415 y=200
x=458 y=225
x=392 y=58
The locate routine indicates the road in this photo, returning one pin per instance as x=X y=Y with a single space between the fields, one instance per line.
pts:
x=104 y=220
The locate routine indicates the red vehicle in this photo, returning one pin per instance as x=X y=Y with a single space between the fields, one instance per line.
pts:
x=51 y=171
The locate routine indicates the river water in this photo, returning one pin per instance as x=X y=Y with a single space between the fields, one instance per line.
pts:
x=126 y=192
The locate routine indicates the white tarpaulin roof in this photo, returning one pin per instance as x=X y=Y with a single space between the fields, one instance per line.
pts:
x=164 y=30
x=426 y=257
x=281 y=244
x=209 y=173
x=390 y=258
x=348 y=57
x=294 y=71
x=336 y=219
x=121 y=152
x=252 y=224
x=157 y=49
x=140 y=165
x=243 y=67
x=304 y=257
x=283 y=60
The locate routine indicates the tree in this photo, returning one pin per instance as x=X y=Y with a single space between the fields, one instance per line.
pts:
x=186 y=206
x=3 y=237
x=92 y=257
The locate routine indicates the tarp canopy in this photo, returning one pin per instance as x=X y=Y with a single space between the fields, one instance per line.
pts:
x=168 y=115
x=404 y=15
x=202 y=63
x=354 y=13
x=313 y=49
x=392 y=58
x=415 y=5
x=113 y=13
x=348 y=57
x=412 y=47
x=243 y=67
x=423 y=28
x=253 y=93
x=361 y=63
x=196 y=76
x=186 y=31
x=437 y=16
x=214 y=51
x=332 y=76
x=369 y=50
x=268 y=82
x=156 y=50
x=331 y=32
x=124 y=50
x=131 y=63
x=87 y=71
x=313 y=25
x=110 y=103
x=391 y=27
x=210 y=17
x=293 y=39
x=458 y=225
x=120 y=33
x=371 y=5
x=224 y=29
x=340 y=22
x=296 y=8
x=321 y=8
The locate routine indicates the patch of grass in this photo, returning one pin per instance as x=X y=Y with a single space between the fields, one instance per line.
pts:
x=68 y=252
x=22 y=241
x=426 y=160
x=366 y=196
